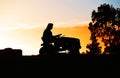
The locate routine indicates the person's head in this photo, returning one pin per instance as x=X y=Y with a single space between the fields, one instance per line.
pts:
x=50 y=26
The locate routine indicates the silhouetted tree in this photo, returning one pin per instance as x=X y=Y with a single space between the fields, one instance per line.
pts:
x=94 y=47
x=106 y=25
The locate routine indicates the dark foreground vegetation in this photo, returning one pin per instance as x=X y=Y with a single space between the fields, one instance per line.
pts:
x=61 y=64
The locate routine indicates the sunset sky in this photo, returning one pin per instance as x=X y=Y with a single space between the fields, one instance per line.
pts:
x=22 y=22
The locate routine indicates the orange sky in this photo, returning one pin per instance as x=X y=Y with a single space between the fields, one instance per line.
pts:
x=80 y=32
x=29 y=40
x=22 y=22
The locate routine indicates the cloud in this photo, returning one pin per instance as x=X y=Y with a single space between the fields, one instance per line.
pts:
x=72 y=23
x=20 y=26
x=66 y=23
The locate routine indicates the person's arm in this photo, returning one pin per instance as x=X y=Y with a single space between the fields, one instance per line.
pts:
x=58 y=35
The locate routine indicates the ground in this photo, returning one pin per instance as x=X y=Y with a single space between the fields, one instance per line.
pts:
x=61 y=63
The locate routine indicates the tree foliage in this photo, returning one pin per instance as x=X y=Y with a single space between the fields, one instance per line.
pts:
x=94 y=48
x=106 y=25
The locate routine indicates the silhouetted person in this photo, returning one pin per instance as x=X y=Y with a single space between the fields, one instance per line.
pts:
x=48 y=38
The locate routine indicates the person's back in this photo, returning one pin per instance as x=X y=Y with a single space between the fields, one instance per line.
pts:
x=47 y=34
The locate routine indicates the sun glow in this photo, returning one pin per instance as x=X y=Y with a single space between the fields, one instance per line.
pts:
x=26 y=49
x=26 y=39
